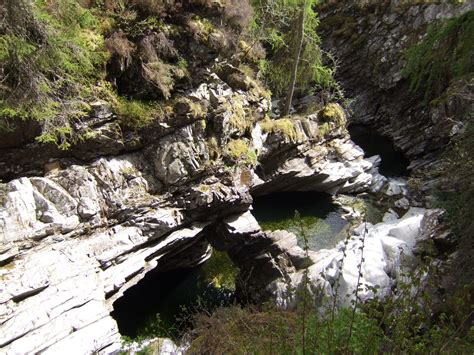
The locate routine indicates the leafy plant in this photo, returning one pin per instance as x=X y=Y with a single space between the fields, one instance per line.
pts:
x=274 y=27
x=51 y=56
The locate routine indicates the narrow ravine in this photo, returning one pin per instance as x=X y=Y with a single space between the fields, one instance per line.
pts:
x=394 y=163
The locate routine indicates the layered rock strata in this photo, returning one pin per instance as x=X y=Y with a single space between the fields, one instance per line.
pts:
x=72 y=241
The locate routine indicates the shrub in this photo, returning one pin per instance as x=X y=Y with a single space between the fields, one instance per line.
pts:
x=402 y=323
x=137 y=114
x=238 y=13
x=118 y=45
x=50 y=56
x=149 y=7
x=274 y=26
x=456 y=192
x=157 y=46
x=250 y=330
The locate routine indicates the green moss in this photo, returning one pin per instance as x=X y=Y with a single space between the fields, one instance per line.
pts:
x=238 y=120
x=324 y=129
x=184 y=106
x=284 y=126
x=202 y=27
x=334 y=113
x=443 y=55
x=239 y=150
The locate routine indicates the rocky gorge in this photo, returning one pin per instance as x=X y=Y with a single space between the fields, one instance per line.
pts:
x=79 y=228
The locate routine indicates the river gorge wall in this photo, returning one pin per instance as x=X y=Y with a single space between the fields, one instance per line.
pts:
x=79 y=228
x=370 y=42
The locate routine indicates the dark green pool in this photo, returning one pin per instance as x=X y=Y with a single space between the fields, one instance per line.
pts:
x=321 y=218
x=161 y=304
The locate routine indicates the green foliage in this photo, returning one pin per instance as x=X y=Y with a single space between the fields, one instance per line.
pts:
x=458 y=184
x=400 y=323
x=58 y=135
x=274 y=26
x=220 y=271
x=51 y=55
x=443 y=55
x=456 y=193
x=251 y=331
x=153 y=327
x=137 y=114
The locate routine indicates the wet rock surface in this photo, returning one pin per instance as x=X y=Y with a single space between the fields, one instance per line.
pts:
x=374 y=256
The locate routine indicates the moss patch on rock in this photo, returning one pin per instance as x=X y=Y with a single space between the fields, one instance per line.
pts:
x=283 y=126
x=238 y=150
x=333 y=112
x=137 y=114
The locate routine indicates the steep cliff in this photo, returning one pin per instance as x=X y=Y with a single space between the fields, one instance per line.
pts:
x=372 y=41
x=76 y=238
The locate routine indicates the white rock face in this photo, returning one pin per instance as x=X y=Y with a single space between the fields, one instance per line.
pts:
x=57 y=294
x=387 y=249
x=55 y=298
x=338 y=167
x=73 y=241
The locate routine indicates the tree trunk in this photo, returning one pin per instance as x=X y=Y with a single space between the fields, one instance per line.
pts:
x=296 y=58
